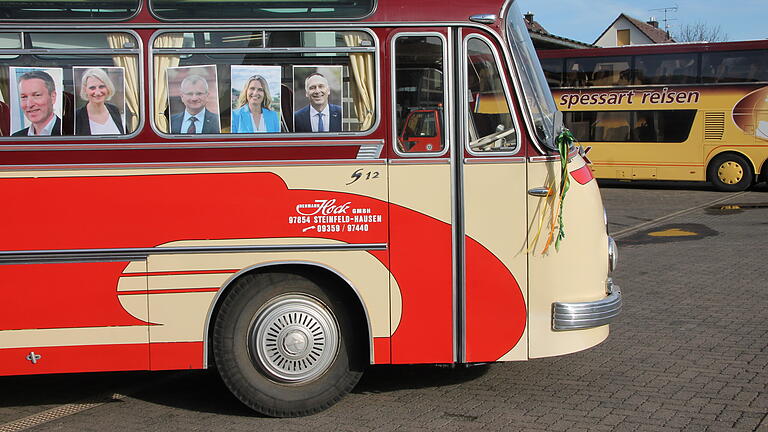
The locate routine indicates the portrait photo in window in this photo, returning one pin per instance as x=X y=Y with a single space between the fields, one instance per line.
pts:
x=317 y=96
x=36 y=101
x=256 y=98
x=99 y=100
x=193 y=100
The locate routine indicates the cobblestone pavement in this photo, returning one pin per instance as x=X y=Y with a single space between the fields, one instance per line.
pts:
x=689 y=352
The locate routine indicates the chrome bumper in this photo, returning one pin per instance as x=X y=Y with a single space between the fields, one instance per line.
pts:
x=572 y=316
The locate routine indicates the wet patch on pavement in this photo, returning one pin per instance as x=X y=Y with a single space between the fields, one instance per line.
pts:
x=724 y=209
x=668 y=233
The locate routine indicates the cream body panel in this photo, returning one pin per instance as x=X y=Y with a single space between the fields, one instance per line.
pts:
x=423 y=188
x=179 y=317
x=495 y=216
x=60 y=337
x=575 y=273
x=368 y=276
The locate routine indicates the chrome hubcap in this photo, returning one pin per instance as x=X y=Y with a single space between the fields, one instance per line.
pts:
x=730 y=172
x=294 y=338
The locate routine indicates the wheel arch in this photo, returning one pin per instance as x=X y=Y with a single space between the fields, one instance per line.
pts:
x=763 y=174
x=752 y=164
x=324 y=275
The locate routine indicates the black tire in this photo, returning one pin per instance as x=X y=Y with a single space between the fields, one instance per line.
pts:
x=284 y=346
x=730 y=172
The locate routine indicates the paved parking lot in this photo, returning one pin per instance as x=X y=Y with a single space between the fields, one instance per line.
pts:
x=689 y=352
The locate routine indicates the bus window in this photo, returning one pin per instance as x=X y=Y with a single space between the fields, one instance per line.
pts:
x=89 y=83
x=419 y=93
x=666 y=69
x=68 y=10
x=735 y=66
x=667 y=126
x=553 y=70
x=228 y=63
x=611 y=126
x=260 y=9
x=597 y=71
x=490 y=124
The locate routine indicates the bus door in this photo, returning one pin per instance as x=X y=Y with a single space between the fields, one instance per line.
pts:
x=458 y=192
x=421 y=204
x=491 y=168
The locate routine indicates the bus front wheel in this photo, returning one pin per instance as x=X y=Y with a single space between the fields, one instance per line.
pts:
x=730 y=172
x=283 y=346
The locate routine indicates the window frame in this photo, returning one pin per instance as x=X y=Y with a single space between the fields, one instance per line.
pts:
x=82 y=20
x=151 y=8
x=393 y=88
x=90 y=140
x=152 y=52
x=632 y=116
x=507 y=94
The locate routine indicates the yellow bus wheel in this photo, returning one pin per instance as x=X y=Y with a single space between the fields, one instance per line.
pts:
x=730 y=173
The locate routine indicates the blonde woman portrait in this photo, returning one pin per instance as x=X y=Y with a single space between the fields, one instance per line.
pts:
x=98 y=116
x=255 y=110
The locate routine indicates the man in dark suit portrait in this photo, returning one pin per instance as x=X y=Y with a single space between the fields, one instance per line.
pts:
x=195 y=119
x=37 y=96
x=319 y=115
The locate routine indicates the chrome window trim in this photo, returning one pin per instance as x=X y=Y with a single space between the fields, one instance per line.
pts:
x=198 y=145
x=185 y=165
x=499 y=160
x=393 y=91
x=504 y=83
x=139 y=254
x=440 y=161
x=138 y=52
x=236 y=275
x=151 y=52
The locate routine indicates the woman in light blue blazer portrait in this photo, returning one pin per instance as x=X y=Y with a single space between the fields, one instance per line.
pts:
x=252 y=113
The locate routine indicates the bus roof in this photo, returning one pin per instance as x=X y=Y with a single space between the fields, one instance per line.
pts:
x=240 y=11
x=670 y=48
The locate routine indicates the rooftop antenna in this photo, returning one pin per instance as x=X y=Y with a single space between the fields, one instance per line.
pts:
x=666 y=19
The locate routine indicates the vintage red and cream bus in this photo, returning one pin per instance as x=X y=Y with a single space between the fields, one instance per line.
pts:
x=195 y=184
x=691 y=111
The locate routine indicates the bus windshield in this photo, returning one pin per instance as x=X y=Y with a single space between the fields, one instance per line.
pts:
x=544 y=114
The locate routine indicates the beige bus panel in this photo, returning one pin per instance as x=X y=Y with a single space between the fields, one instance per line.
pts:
x=575 y=273
x=367 y=275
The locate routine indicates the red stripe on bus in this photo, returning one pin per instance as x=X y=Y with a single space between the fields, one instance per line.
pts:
x=620 y=163
x=381 y=350
x=176 y=355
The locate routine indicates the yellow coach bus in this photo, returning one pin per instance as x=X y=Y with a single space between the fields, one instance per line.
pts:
x=696 y=112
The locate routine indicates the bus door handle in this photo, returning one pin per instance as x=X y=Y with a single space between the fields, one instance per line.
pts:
x=542 y=192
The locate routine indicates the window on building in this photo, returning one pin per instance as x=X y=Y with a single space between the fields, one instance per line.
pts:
x=622 y=37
